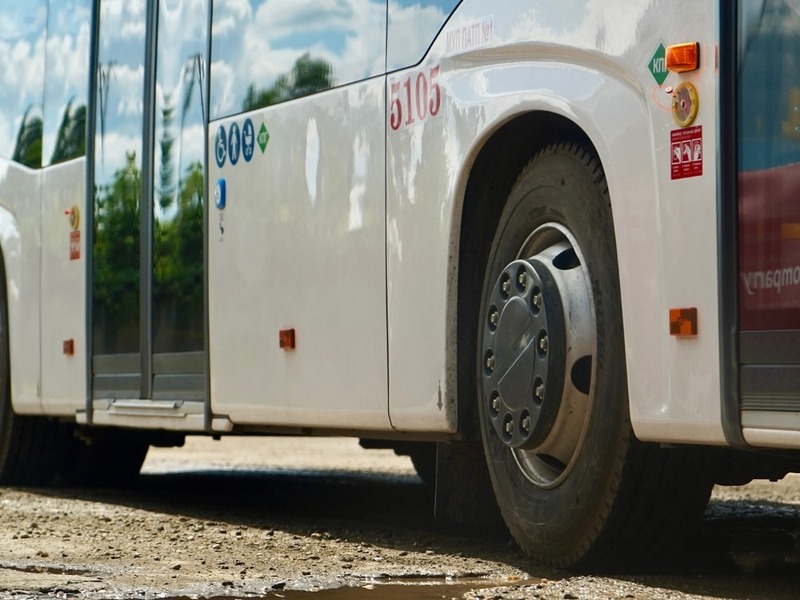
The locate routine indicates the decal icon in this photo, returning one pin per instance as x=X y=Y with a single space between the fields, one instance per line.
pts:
x=220 y=146
x=248 y=140
x=658 y=64
x=220 y=197
x=687 y=152
x=234 y=143
x=263 y=138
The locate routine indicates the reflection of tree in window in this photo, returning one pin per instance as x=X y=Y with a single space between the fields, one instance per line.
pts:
x=178 y=269
x=28 y=148
x=179 y=256
x=116 y=249
x=308 y=76
x=71 y=138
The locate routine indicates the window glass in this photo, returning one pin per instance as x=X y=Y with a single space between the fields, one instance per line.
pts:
x=769 y=164
x=179 y=176
x=118 y=182
x=413 y=25
x=269 y=51
x=66 y=80
x=23 y=27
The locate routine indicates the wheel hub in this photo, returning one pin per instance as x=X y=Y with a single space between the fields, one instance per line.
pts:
x=524 y=354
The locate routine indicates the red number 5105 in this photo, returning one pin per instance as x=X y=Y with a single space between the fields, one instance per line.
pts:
x=414 y=98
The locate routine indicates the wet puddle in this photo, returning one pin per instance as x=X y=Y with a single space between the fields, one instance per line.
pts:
x=395 y=590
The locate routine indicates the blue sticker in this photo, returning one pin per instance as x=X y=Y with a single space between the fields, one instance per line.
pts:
x=248 y=139
x=220 y=146
x=234 y=143
x=220 y=194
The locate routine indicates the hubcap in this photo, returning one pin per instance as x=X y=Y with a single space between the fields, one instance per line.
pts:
x=539 y=341
x=524 y=367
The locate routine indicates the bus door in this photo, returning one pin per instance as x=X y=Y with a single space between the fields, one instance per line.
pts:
x=147 y=162
x=769 y=218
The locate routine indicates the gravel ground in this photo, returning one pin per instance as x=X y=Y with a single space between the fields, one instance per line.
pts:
x=324 y=519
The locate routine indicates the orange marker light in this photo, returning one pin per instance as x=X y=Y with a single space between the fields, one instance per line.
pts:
x=69 y=347
x=286 y=339
x=683 y=321
x=683 y=57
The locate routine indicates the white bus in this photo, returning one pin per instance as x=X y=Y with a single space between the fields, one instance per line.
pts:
x=549 y=249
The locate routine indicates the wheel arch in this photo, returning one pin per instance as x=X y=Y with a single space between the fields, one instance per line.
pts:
x=493 y=172
x=11 y=270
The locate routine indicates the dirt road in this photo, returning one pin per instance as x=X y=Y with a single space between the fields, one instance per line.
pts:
x=286 y=517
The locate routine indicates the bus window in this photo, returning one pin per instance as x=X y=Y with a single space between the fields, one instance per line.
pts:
x=769 y=167
x=265 y=52
x=413 y=24
x=22 y=42
x=66 y=75
x=117 y=168
x=179 y=176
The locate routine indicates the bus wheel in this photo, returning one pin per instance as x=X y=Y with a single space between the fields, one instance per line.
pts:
x=574 y=487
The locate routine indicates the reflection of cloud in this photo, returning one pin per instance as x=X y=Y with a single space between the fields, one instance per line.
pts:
x=613 y=28
x=285 y=17
x=358 y=189
x=111 y=154
x=350 y=35
x=228 y=14
x=411 y=31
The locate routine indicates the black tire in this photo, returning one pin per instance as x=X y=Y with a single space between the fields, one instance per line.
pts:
x=574 y=486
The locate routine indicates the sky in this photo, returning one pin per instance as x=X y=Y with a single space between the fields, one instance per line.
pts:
x=254 y=41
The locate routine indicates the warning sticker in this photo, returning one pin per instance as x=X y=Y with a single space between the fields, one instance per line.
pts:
x=687 y=152
x=74 y=245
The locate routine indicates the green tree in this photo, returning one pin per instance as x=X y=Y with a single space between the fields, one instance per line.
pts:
x=308 y=76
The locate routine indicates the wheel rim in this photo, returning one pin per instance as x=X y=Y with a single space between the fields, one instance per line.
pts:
x=539 y=346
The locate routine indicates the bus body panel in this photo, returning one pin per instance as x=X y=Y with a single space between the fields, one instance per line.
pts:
x=20 y=240
x=674 y=384
x=300 y=246
x=64 y=288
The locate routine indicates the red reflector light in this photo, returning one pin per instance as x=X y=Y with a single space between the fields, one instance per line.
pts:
x=683 y=321
x=69 y=347
x=286 y=339
x=683 y=57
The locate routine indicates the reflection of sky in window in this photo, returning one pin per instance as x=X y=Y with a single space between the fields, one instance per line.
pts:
x=69 y=31
x=412 y=28
x=256 y=41
x=120 y=87
x=22 y=27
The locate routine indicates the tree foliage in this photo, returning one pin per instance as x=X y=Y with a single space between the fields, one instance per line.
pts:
x=308 y=76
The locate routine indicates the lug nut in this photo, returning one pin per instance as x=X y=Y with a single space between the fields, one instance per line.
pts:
x=490 y=362
x=523 y=279
x=494 y=317
x=539 y=391
x=526 y=424
x=509 y=427
x=506 y=287
x=543 y=344
x=537 y=300
x=496 y=404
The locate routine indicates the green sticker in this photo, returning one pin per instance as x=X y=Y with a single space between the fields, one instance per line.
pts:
x=263 y=138
x=658 y=64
